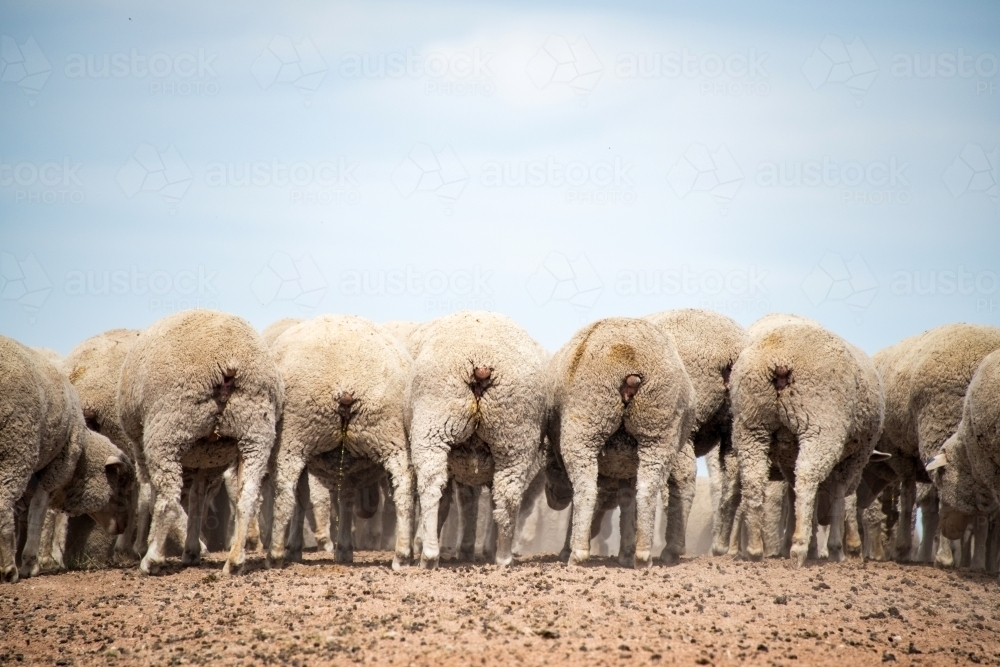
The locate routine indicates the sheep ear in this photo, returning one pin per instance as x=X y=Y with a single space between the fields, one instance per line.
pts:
x=114 y=460
x=939 y=461
x=879 y=456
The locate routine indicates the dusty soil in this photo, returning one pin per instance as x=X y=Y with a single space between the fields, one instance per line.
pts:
x=703 y=611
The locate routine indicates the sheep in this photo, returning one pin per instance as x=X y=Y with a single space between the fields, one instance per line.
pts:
x=199 y=389
x=479 y=400
x=925 y=379
x=275 y=329
x=708 y=344
x=47 y=450
x=966 y=470
x=812 y=404
x=622 y=406
x=407 y=333
x=93 y=367
x=345 y=419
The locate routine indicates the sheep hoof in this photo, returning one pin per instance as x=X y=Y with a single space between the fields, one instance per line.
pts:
x=294 y=556
x=399 y=561
x=578 y=557
x=274 y=562
x=564 y=555
x=231 y=568
x=30 y=569
x=798 y=555
x=669 y=558
x=466 y=554
x=190 y=558
x=428 y=563
x=835 y=555
x=626 y=560
x=341 y=555
x=9 y=575
x=149 y=566
x=642 y=563
x=502 y=562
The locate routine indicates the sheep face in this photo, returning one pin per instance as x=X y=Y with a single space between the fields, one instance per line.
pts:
x=102 y=484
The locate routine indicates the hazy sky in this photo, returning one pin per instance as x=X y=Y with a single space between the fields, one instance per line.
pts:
x=557 y=162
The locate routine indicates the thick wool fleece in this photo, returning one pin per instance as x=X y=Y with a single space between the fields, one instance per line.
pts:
x=622 y=405
x=925 y=379
x=810 y=403
x=43 y=437
x=479 y=400
x=199 y=389
x=346 y=411
x=708 y=343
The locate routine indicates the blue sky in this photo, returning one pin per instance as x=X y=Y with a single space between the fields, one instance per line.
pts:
x=557 y=162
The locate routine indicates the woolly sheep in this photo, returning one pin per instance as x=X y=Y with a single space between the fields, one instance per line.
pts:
x=479 y=398
x=44 y=437
x=708 y=344
x=810 y=403
x=275 y=329
x=622 y=406
x=966 y=471
x=345 y=413
x=94 y=367
x=925 y=379
x=465 y=497
x=199 y=389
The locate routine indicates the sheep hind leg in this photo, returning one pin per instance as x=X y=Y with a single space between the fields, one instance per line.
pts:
x=468 y=504
x=681 y=490
x=303 y=510
x=810 y=470
x=255 y=450
x=627 y=524
x=838 y=510
x=166 y=481
x=197 y=499
x=852 y=530
x=343 y=551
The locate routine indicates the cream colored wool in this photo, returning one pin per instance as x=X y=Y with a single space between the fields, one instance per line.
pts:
x=199 y=389
x=804 y=400
x=94 y=367
x=708 y=344
x=925 y=379
x=622 y=406
x=346 y=400
x=494 y=438
x=43 y=437
x=969 y=483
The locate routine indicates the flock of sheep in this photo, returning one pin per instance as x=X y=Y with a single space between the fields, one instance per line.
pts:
x=800 y=428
